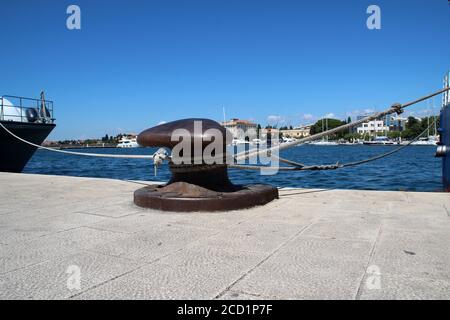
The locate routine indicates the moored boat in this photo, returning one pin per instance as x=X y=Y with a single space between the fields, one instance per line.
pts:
x=127 y=143
x=380 y=141
x=28 y=118
x=324 y=143
x=429 y=141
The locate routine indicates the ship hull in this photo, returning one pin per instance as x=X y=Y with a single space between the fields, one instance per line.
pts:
x=445 y=140
x=15 y=154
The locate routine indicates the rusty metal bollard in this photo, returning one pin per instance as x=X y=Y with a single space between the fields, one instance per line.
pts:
x=198 y=182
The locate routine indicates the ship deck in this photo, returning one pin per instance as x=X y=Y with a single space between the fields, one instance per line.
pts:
x=309 y=244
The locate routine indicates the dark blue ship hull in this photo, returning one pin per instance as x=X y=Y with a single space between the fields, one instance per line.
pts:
x=444 y=129
x=15 y=154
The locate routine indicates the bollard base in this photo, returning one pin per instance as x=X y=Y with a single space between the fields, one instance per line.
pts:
x=186 y=197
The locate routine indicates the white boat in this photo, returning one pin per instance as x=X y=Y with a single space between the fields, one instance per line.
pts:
x=430 y=141
x=284 y=139
x=324 y=143
x=380 y=141
x=128 y=143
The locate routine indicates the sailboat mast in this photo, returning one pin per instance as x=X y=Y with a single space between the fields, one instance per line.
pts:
x=434 y=119
x=224 y=117
x=435 y=126
x=323 y=127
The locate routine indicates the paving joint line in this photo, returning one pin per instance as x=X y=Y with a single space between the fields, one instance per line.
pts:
x=372 y=253
x=262 y=261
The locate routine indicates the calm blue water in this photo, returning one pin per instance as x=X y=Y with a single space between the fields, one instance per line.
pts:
x=413 y=168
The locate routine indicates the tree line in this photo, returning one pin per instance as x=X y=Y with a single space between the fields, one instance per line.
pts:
x=106 y=139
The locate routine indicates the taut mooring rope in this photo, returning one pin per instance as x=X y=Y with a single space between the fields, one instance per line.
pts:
x=104 y=155
x=303 y=167
x=396 y=108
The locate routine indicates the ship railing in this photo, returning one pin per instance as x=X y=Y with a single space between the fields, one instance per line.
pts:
x=22 y=109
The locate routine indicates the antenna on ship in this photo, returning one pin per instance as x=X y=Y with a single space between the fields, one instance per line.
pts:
x=42 y=102
x=44 y=111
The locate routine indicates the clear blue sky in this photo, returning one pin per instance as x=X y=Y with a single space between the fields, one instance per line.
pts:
x=136 y=63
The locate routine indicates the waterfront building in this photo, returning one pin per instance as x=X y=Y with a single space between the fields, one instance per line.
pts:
x=391 y=122
x=241 y=129
x=395 y=123
x=297 y=132
x=272 y=131
x=372 y=127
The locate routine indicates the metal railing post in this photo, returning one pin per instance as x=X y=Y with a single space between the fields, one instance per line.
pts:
x=20 y=110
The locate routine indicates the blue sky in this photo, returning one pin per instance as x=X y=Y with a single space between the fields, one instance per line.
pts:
x=136 y=63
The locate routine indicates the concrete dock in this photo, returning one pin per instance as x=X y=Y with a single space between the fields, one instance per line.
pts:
x=83 y=238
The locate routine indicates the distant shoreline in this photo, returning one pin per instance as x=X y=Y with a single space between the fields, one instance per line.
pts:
x=65 y=147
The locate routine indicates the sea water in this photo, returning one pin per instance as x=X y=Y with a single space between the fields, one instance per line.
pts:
x=414 y=168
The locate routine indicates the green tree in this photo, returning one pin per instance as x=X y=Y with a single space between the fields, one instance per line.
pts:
x=412 y=122
x=332 y=123
x=393 y=134
x=352 y=136
x=413 y=128
x=428 y=121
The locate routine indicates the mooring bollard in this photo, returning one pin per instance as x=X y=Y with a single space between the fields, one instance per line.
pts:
x=199 y=179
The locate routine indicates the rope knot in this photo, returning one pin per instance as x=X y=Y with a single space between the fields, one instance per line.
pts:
x=397 y=107
x=158 y=158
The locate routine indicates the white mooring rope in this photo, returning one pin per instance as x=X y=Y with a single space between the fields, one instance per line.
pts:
x=396 y=108
x=161 y=155
x=101 y=155
x=337 y=165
